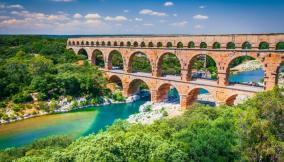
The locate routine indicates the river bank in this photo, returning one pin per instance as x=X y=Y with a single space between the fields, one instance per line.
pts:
x=64 y=106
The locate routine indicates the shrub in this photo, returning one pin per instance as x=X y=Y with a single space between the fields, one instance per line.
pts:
x=22 y=97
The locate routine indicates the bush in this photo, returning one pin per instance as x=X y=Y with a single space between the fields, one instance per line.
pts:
x=22 y=97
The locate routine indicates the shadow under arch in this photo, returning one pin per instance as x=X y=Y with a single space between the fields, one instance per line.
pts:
x=116 y=80
x=168 y=64
x=139 y=87
x=115 y=60
x=168 y=92
x=230 y=101
x=202 y=96
x=202 y=66
x=139 y=62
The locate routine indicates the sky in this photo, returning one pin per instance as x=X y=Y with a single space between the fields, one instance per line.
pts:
x=90 y=17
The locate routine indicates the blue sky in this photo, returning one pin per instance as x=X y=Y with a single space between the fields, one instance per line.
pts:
x=141 y=16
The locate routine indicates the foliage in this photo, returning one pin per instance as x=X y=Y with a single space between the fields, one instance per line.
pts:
x=42 y=65
x=252 y=131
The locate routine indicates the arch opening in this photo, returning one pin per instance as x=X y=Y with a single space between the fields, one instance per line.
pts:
x=231 y=45
x=180 y=45
x=201 y=96
x=159 y=44
x=216 y=45
x=245 y=70
x=246 y=45
x=169 y=65
x=168 y=93
x=98 y=58
x=169 y=45
x=203 y=45
x=263 y=46
x=143 y=44
x=280 y=46
x=115 y=83
x=191 y=44
x=203 y=67
x=139 y=62
x=151 y=44
x=83 y=54
x=121 y=44
x=139 y=88
x=135 y=44
x=115 y=60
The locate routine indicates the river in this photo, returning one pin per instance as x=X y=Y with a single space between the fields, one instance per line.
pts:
x=81 y=122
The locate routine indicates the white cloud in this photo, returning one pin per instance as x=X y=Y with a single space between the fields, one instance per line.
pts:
x=179 y=24
x=116 y=18
x=138 y=19
x=200 y=17
x=93 y=16
x=175 y=15
x=198 y=27
x=167 y=4
x=77 y=16
x=152 y=13
x=125 y=11
x=15 y=6
x=62 y=0
x=202 y=7
x=148 y=24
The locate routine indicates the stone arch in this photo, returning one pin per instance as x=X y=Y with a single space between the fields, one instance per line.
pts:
x=118 y=61
x=160 y=61
x=87 y=43
x=163 y=91
x=98 y=43
x=121 y=44
x=108 y=43
x=159 y=44
x=78 y=43
x=236 y=60
x=128 y=44
x=191 y=44
x=207 y=61
x=115 y=43
x=69 y=43
x=216 y=45
x=280 y=46
x=97 y=58
x=92 y=43
x=231 y=45
x=179 y=45
x=82 y=43
x=135 y=44
x=83 y=52
x=103 y=43
x=263 y=46
x=143 y=44
x=116 y=80
x=230 y=101
x=193 y=94
x=135 y=86
x=73 y=43
x=203 y=45
x=169 y=45
x=151 y=44
x=131 y=61
x=246 y=45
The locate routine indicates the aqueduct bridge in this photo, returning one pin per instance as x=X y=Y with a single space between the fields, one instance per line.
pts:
x=267 y=48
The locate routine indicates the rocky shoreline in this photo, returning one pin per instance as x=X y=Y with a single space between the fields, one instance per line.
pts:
x=247 y=66
x=66 y=106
